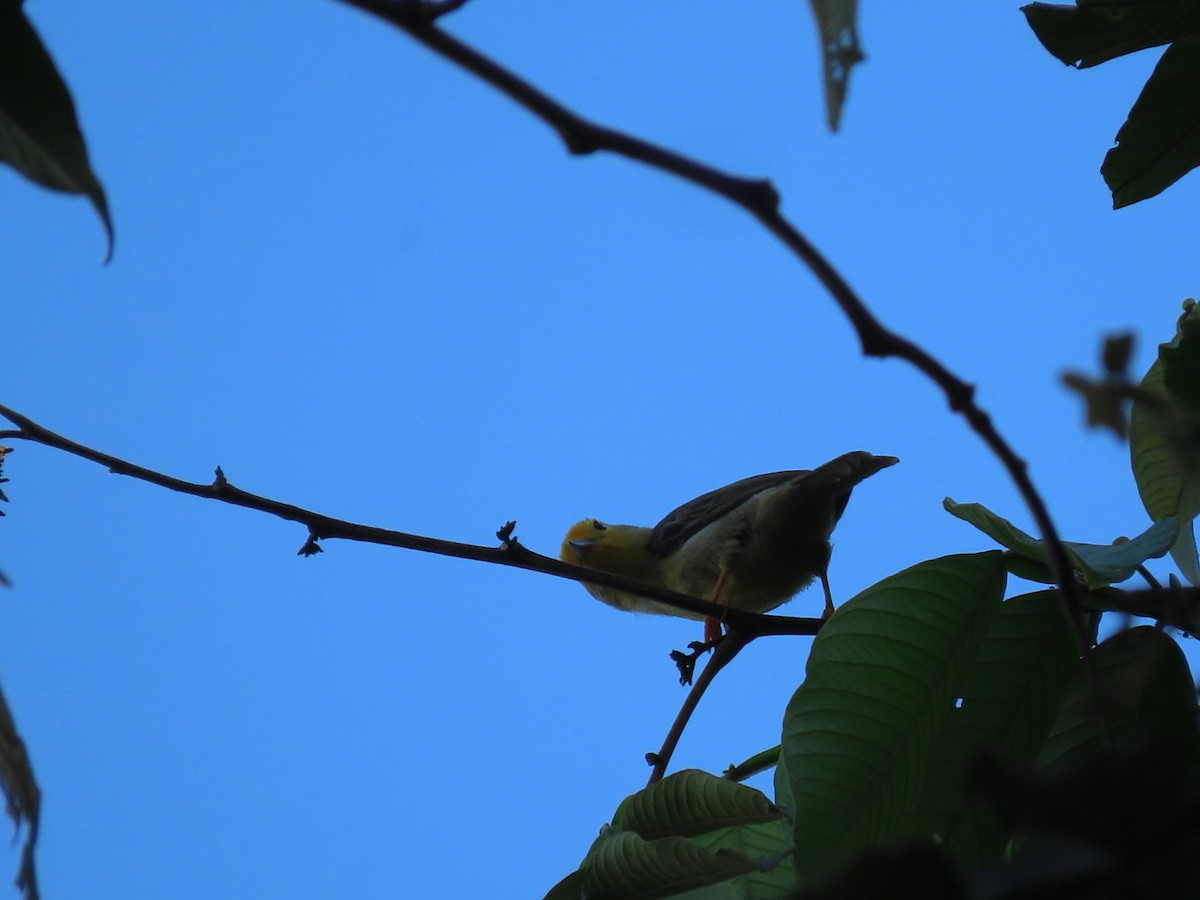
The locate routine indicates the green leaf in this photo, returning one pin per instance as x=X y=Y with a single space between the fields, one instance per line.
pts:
x=1160 y=140
x=570 y=888
x=1162 y=444
x=624 y=866
x=1096 y=565
x=1181 y=360
x=691 y=832
x=1147 y=694
x=39 y=134
x=783 y=788
x=882 y=679
x=1165 y=485
x=719 y=814
x=840 y=51
x=1010 y=697
x=1092 y=33
x=691 y=802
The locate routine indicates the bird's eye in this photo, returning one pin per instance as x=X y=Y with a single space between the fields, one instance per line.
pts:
x=598 y=525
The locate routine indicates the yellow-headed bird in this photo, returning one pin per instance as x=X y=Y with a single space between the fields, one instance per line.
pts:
x=750 y=545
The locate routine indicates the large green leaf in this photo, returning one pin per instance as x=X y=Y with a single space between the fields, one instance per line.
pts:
x=622 y=865
x=837 y=26
x=691 y=802
x=570 y=888
x=690 y=835
x=1092 y=33
x=39 y=134
x=1096 y=565
x=1162 y=444
x=1160 y=140
x=1009 y=700
x=882 y=680
x=1147 y=695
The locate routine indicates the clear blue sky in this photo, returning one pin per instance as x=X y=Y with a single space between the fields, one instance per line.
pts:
x=364 y=283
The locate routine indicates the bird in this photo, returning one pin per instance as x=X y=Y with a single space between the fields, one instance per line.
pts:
x=750 y=545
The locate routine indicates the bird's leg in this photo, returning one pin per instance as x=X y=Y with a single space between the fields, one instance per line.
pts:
x=828 y=596
x=712 y=625
x=712 y=629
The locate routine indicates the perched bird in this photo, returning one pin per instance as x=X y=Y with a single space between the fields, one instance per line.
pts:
x=750 y=545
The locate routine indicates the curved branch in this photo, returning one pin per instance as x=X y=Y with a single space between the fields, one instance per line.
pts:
x=761 y=200
x=723 y=653
x=725 y=649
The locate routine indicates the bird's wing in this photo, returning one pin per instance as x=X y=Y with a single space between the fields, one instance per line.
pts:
x=680 y=524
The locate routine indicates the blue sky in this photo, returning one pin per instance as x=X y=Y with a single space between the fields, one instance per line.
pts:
x=364 y=283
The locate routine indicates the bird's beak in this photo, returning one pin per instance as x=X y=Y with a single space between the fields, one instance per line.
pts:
x=580 y=547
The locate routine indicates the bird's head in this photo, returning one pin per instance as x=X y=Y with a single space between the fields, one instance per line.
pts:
x=620 y=549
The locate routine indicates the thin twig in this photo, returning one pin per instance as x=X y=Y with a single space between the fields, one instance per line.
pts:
x=1173 y=605
x=739 y=635
x=322 y=527
x=743 y=626
x=723 y=653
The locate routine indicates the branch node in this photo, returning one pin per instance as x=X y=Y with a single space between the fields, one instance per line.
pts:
x=411 y=13
x=505 y=533
x=876 y=342
x=579 y=139
x=762 y=195
x=220 y=482
x=961 y=396
x=686 y=662
x=311 y=547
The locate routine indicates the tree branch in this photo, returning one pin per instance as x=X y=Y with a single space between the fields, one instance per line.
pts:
x=743 y=626
x=723 y=653
x=1176 y=606
x=1172 y=605
x=759 y=198
x=725 y=649
x=322 y=527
